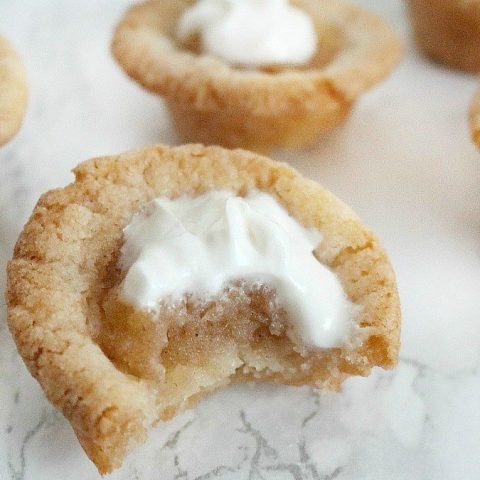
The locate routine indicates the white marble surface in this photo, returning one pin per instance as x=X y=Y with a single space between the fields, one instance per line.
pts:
x=404 y=162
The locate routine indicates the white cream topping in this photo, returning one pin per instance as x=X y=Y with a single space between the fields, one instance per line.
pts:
x=251 y=32
x=198 y=245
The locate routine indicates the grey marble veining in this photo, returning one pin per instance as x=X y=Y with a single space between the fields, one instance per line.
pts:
x=404 y=162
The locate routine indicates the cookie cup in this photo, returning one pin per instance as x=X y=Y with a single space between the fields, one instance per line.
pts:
x=448 y=31
x=65 y=266
x=278 y=106
x=475 y=119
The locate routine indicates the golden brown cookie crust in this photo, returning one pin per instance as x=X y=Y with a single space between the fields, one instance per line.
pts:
x=13 y=91
x=62 y=256
x=362 y=51
x=475 y=119
x=448 y=31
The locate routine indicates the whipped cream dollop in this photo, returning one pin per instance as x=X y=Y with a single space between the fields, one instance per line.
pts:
x=251 y=32
x=198 y=245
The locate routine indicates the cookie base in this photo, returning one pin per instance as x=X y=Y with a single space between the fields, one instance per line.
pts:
x=261 y=133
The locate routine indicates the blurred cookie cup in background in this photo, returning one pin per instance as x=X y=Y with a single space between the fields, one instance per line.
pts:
x=448 y=31
x=13 y=91
x=255 y=75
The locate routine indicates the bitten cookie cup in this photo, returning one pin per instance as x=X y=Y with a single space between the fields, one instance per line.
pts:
x=280 y=106
x=448 y=31
x=13 y=91
x=475 y=119
x=114 y=371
